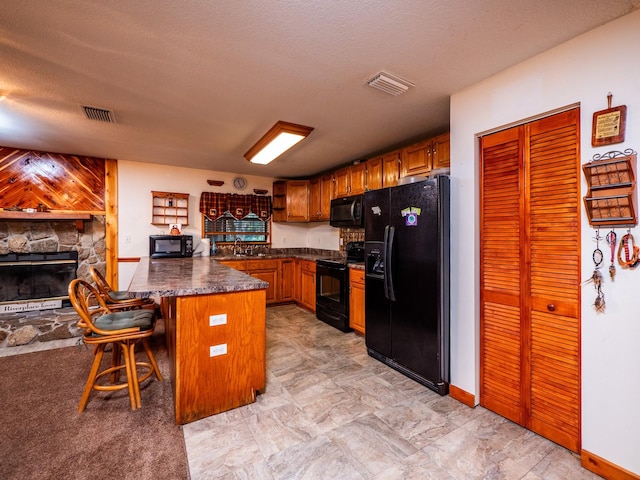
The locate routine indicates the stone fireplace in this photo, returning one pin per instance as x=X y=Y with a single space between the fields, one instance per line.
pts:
x=41 y=237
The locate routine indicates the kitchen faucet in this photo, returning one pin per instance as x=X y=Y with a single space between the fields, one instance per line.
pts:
x=237 y=246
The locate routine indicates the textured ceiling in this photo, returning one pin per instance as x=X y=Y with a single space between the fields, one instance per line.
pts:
x=196 y=83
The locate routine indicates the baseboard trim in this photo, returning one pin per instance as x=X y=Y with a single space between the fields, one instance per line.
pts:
x=464 y=397
x=604 y=468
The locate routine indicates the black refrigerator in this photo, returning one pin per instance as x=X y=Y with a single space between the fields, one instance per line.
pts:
x=407 y=279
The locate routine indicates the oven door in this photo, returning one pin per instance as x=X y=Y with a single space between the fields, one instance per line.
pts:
x=332 y=294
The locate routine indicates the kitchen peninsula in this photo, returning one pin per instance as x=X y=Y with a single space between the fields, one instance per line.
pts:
x=215 y=331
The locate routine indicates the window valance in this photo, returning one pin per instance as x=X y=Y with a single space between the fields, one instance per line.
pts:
x=213 y=205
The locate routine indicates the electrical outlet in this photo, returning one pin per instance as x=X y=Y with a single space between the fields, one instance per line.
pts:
x=215 y=350
x=220 y=319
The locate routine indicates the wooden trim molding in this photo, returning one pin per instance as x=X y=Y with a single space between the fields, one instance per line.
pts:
x=78 y=217
x=604 y=468
x=111 y=219
x=129 y=260
x=463 y=397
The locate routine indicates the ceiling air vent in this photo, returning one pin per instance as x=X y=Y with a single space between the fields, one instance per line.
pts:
x=99 y=114
x=389 y=83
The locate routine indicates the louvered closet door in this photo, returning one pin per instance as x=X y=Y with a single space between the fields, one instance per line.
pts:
x=501 y=281
x=554 y=254
x=530 y=296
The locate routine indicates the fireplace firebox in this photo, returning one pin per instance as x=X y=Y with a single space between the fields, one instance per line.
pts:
x=36 y=281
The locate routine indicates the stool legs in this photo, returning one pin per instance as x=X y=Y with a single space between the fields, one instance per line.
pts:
x=123 y=350
x=93 y=375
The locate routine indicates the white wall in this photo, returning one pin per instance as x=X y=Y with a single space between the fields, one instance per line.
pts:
x=137 y=180
x=582 y=71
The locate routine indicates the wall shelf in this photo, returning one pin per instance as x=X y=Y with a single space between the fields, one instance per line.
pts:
x=170 y=207
x=611 y=200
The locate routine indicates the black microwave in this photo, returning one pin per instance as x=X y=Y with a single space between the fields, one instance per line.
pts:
x=170 y=246
x=347 y=211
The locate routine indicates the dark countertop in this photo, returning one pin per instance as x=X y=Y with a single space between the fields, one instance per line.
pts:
x=311 y=254
x=174 y=277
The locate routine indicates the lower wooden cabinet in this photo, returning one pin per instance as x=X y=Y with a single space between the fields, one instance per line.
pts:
x=287 y=280
x=290 y=280
x=356 y=300
x=267 y=270
x=308 y=284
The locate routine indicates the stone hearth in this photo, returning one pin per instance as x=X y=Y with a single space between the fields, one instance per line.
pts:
x=23 y=328
x=39 y=237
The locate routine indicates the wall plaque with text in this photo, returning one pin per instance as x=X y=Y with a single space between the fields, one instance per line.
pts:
x=609 y=125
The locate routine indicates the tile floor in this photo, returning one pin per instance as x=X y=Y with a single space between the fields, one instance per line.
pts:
x=332 y=412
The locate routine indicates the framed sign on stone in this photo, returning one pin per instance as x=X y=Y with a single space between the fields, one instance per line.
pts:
x=609 y=125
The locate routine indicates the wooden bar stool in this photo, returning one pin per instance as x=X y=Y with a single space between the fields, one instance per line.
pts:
x=123 y=329
x=117 y=299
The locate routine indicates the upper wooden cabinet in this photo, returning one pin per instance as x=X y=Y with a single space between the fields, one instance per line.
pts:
x=358 y=178
x=416 y=159
x=351 y=180
x=441 y=152
x=374 y=173
x=422 y=157
x=320 y=195
x=291 y=201
x=279 y=205
x=310 y=200
x=383 y=171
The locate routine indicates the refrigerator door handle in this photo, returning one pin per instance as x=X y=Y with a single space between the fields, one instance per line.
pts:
x=385 y=280
x=388 y=258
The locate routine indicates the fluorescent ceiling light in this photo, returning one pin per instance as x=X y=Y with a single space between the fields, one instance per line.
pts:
x=280 y=138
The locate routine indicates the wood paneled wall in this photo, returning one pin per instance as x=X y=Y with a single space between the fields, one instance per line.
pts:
x=63 y=183
x=60 y=182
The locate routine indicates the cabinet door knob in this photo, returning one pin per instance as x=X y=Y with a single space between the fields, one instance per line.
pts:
x=551 y=307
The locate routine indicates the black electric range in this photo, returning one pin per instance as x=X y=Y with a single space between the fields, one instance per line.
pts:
x=354 y=254
x=332 y=286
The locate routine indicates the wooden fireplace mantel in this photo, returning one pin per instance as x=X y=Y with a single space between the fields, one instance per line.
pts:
x=79 y=218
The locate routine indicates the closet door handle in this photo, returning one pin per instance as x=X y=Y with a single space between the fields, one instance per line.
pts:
x=551 y=307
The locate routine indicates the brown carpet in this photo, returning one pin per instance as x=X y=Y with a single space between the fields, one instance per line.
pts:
x=42 y=436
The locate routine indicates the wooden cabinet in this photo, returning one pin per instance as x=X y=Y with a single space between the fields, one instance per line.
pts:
x=374 y=173
x=441 y=152
x=356 y=300
x=279 y=203
x=169 y=207
x=287 y=280
x=422 y=157
x=291 y=201
x=390 y=169
x=204 y=386
x=416 y=159
x=308 y=284
x=383 y=171
x=358 y=180
x=320 y=195
x=351 y=180
x=267 y=270
x=342 y=179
